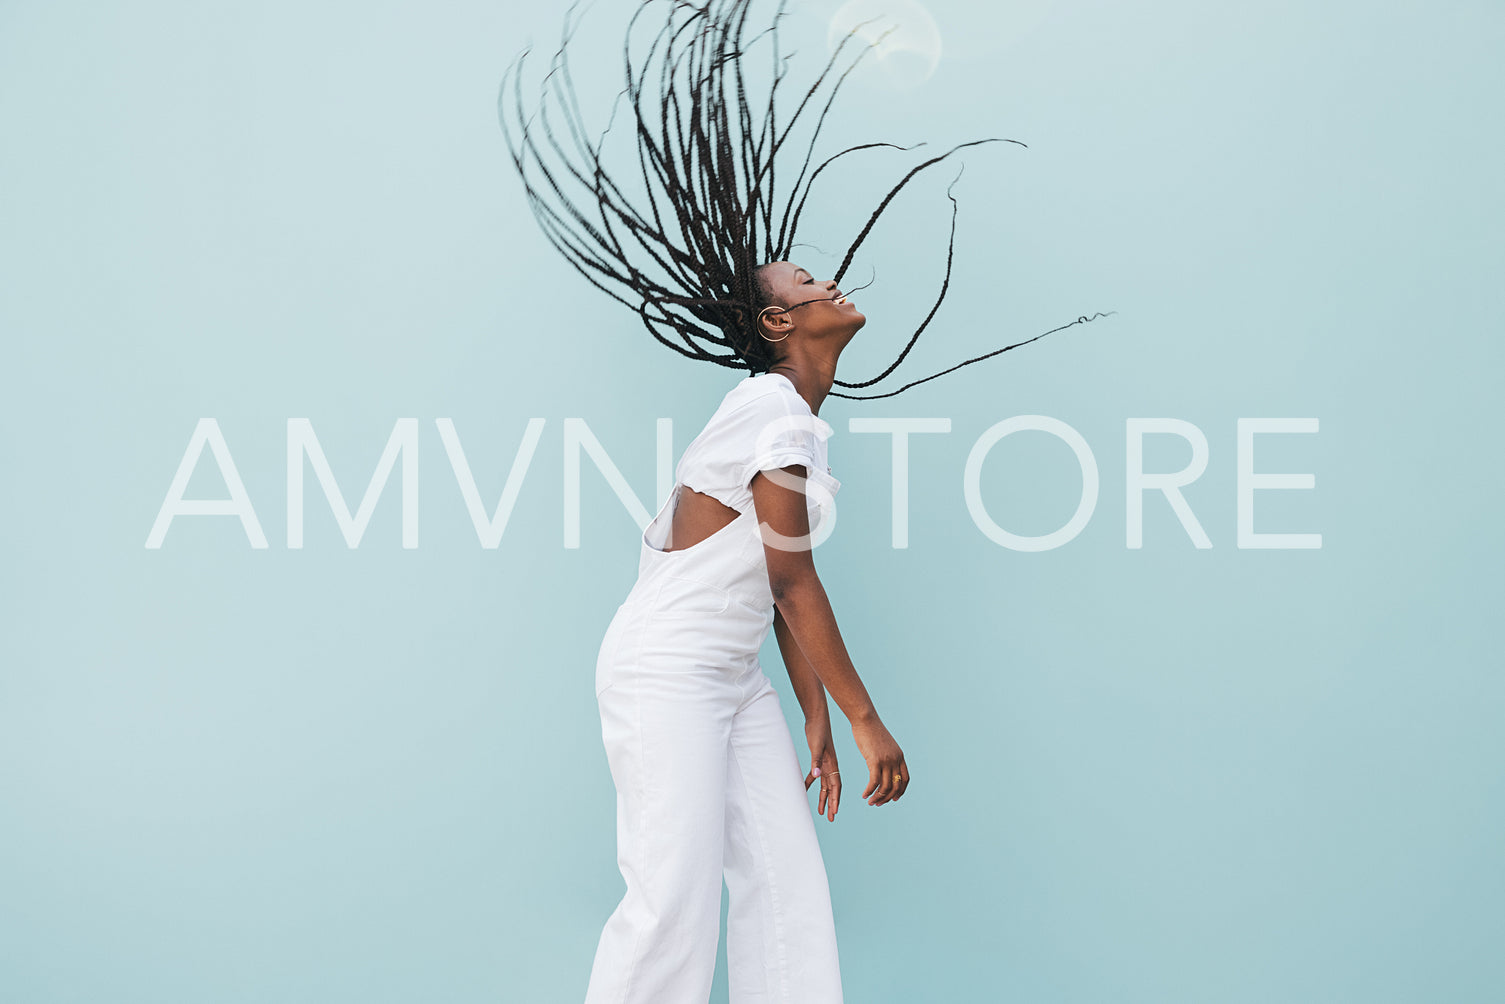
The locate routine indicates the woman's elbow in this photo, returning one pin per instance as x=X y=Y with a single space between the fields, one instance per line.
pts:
x=789 y=585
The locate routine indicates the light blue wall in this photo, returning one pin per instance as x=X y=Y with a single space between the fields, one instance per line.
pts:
x=1167 y=775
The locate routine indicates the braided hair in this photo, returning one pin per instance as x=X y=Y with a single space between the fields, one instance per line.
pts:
x=686 y=255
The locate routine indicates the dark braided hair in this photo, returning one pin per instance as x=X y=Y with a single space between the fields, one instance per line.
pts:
x=687 y=254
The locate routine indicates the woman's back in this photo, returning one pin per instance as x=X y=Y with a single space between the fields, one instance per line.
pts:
x=761 y=424
x=710 y=600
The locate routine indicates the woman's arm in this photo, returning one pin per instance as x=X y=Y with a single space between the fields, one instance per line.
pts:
x=802 y=676
x=799 y=596
x=812 y=698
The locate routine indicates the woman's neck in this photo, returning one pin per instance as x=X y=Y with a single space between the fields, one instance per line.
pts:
x=812 y=379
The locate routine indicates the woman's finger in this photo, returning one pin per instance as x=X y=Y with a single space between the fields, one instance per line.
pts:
x=835 y=796
x=880 y=789
x=893 y=783
x=901 y=780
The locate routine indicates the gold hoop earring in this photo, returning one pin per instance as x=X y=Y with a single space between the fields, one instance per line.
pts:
x=760 y=325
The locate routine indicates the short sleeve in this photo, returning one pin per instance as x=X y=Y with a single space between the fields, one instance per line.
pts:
x=779 y=434
x=762 y=424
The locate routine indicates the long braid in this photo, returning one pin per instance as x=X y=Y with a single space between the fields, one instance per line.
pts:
x=686 y=257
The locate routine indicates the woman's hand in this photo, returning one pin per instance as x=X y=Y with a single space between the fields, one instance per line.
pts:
x=823 y=766
x=887 y=774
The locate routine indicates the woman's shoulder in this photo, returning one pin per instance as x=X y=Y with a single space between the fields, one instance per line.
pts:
x=770 y=390
x=766 y=405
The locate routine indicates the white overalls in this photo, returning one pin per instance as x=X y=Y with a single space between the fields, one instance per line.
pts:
x=708 y=781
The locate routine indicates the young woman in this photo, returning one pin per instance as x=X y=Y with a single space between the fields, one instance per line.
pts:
x=709 y=786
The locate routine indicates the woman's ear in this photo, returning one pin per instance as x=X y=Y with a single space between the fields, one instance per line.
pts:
x=775 y=322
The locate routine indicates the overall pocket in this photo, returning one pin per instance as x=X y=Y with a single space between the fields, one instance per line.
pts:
x=680 y=597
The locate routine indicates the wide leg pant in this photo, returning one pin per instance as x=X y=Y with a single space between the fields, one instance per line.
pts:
x=709 y=785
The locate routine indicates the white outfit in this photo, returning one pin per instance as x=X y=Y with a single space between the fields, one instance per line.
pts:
x=708 y=781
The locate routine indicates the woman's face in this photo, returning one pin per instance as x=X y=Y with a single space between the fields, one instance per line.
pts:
x=814 y=308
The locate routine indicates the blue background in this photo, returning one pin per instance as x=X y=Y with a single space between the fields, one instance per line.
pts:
x=1154 y=775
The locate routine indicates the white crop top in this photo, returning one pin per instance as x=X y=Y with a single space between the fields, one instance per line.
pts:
x=762 y=424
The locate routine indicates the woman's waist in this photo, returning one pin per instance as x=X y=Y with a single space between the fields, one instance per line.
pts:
x=666 y=625
x=690 y=594
x=669 y=578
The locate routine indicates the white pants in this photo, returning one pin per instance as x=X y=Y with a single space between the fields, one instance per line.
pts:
x=708 y=787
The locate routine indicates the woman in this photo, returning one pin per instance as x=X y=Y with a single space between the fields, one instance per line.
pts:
x=708 y=782
x=707 y=777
